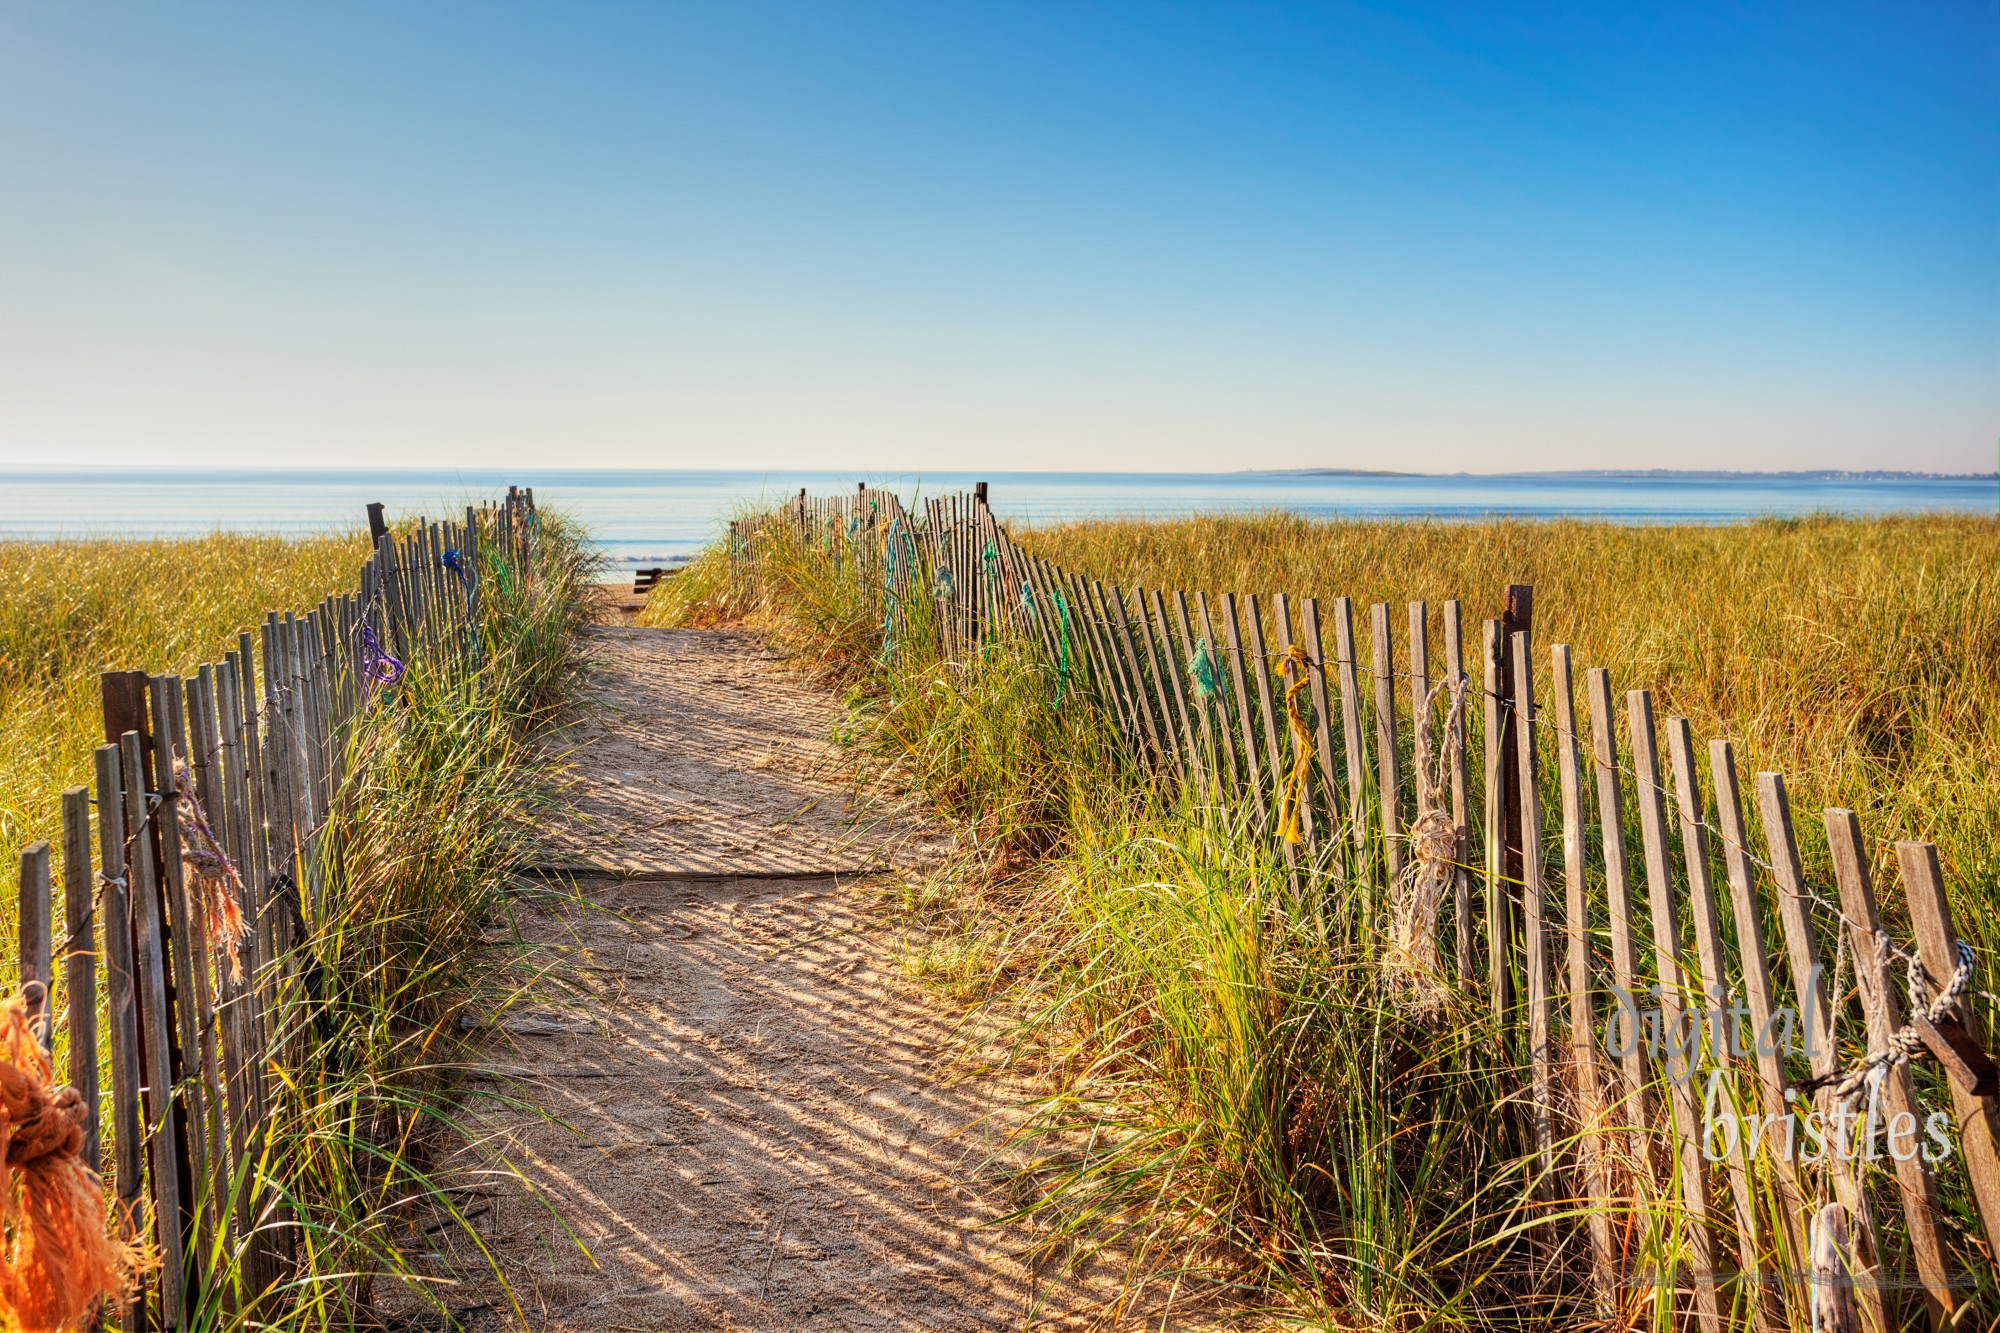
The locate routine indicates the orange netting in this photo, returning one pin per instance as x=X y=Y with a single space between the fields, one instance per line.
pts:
x=60 y=1259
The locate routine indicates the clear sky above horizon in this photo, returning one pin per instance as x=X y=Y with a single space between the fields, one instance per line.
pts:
x=1027 y=235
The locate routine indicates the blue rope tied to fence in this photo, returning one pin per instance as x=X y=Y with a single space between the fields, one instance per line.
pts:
x=946 y=588
x=458 y=565
x=1201 y=666
x=1027 y=599
x=379 y=667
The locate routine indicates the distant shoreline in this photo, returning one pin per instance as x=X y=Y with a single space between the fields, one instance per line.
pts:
x=214 y=472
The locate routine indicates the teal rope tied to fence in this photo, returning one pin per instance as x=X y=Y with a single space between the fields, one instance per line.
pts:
x=1201 y=666
x=992 y=560
x=889 y=592
x=1063 y=649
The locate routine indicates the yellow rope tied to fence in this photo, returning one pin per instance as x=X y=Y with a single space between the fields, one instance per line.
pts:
x=59 y=1258
x=1412 y=959
x=1292 y=804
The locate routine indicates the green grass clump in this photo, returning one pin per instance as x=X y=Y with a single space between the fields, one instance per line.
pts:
x=414 y=946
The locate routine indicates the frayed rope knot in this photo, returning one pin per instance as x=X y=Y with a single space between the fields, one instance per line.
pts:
x=60 y=1261
x=1906 y=1043
x=1412 y=958
x=217 y=885
x=1291 y=807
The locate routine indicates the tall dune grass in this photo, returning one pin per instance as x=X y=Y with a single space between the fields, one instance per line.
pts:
x=447 y=776
x=1234 y=1089
x=72 y=609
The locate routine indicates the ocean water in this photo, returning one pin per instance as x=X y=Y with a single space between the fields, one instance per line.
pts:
x=649 y=517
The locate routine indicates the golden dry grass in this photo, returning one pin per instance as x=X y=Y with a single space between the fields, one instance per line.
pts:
x=1859 y=657
x=72 y=609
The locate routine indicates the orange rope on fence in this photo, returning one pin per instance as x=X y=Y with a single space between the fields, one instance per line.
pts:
x=1298 y=666
x=60 y=1260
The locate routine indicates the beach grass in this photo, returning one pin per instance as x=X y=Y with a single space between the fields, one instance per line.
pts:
x=72 y=609
x=1234 y=1089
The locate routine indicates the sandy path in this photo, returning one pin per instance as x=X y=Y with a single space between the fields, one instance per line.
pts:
x=758 y=1129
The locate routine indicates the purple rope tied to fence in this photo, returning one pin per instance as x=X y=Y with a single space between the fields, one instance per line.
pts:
x=377 y=666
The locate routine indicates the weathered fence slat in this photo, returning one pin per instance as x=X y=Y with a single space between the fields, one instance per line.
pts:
x=1281 y=606
x=36 y=962
x=79 y=958
x=1253 y=770
x=1382 y=658
x=1774 y=807
x=1461 y=813
x=1667 y=962
x=1618 y=902
x=1596 y=1185
x=1323 y=725
x=1260 y=665
x=1499 y=895
x=1355 y=812
x=1714 y=996
x=1755 y=965
x=1534 y=923
x=1937 y=947
x=128 y=1135
x=1882 y=1012
x=156 y=1040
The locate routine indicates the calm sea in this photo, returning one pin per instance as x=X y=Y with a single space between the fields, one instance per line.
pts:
x=655 y=516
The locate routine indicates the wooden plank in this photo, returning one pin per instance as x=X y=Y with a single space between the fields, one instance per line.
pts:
x=1225 y=730
x=1461 y=812
x=128 y=1134
x=1281 y=607
x=1499 y=893
x=1382 y=654
x=242 y=1035
x=203 y=767
x=1883 y=1010
x=1190 y=744
x=1937 y=948
x=1162 y=686
x=1755 y=965
x=1809 y=985
x=1516 y=616
x=79 y=960
x=1420 y=709
x=1618 y=905
x=1541 y=1053
x=150 y=977
x=1322 y=716
x=1350 y=733
x=1203 y=708
x=37 y=964
x=184 y=955
x=1715 y=998
x=1252 y=766
x=1135 y=679
x=1595 y=1180
x=1105 y=678
x=1673 y=1016
x=1253 y=619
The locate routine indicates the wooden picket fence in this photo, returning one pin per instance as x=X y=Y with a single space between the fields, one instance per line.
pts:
x=1270 y=705
x=220 y=783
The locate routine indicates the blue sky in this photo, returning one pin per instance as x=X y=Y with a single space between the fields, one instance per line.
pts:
x=913 y=235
